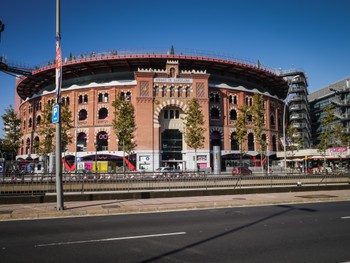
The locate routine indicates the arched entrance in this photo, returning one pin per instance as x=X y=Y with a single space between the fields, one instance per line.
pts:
x=171 y=143
x=81 y=142
x=102 y=141
x=215 y=139
x=171 y=137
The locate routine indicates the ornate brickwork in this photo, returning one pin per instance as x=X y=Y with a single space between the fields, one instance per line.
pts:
x=200 y=90
x=144 y=89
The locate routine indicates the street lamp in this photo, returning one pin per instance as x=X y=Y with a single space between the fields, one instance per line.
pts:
x=96 y=146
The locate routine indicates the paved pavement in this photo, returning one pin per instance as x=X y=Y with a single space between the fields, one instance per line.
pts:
x=109 y=207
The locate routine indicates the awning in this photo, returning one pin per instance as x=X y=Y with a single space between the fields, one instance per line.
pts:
x=320 y=157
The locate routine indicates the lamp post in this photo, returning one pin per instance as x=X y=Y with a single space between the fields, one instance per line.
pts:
x=96 y=146
x=76 y=143
x=59 y=184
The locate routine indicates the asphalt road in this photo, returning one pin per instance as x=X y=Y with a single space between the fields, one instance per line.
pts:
x=318 y=232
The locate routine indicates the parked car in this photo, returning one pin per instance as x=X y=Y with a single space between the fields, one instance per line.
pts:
x=241 y=170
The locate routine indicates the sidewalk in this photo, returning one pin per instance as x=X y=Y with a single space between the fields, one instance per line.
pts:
x=110 y=207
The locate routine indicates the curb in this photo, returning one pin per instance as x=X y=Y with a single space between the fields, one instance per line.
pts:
x=151 y=208
x=96 y=196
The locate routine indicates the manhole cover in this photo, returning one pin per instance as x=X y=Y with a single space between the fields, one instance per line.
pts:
x=317 y=196
x=110 y=206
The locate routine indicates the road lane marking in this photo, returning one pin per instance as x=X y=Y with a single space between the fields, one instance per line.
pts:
x=345 y=217
x=109 y=239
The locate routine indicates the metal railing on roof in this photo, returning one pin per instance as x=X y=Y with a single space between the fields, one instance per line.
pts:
x=181 y=52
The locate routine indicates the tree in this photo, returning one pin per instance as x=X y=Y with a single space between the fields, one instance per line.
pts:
x=66 y=126
x=47 y=130
x=124 y=124
x=326 y=135
x=293 y=142
x=258 y=114
x=12 y=129
x=194 y=130
x=340 y=137
x=241 y=128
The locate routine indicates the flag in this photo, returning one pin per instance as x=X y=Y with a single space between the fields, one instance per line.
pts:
x=58 y=68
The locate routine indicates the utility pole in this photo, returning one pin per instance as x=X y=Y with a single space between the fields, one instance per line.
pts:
x=59 y=186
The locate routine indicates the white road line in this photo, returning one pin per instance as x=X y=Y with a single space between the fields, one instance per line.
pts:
x=109 y=239
x=345 y=217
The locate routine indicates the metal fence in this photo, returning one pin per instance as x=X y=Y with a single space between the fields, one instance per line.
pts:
x=24 y=184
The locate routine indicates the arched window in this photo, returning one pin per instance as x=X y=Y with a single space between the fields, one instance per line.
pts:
x=234 y=142
x=166 y=114
x=217 y=98
x=274 y=146
x=211 y=97
x=100 y=97
x=102 y=141
x=214 y=114
x=128 y=96
x=82 y=115
x=106 y=97
x=156 y=91
x=234 y=99
x=172 y=91
x=85 y=98
x=80 y=99
x=251 y=142
x=172 y=72
x=233 y=115
x=22 y=145
x=81 y=142
x=30 y=123
x=28 y=146
x=63 y=101
x=177 y=114
x=102 y=114
x=246 y=101
x=171 y=114
x=164 y=91
x=38 y=121
x=188 y=90
x=179 y=92
x=67 y=101
x=230 y=99
x=272 y=120
x=250 y=101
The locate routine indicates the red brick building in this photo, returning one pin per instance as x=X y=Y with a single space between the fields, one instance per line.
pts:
x=159 y=87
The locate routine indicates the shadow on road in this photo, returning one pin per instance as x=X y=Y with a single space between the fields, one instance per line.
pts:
x=288 y=208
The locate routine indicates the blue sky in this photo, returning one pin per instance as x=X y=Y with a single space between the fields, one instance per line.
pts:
x=310 y=35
